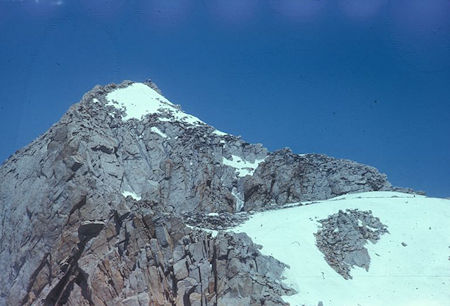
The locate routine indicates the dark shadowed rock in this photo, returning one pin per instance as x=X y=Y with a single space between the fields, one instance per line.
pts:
x=88 y=230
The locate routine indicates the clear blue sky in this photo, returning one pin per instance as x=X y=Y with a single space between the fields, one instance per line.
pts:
x=367 y=80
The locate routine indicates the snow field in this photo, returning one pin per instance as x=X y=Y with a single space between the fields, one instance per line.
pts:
x=138 y=100
x=415 y=274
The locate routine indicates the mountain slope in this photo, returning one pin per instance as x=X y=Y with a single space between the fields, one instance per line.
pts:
x=409 y=265
x=71 y=201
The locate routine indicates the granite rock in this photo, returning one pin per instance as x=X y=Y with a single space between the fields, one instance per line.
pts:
x=343 y=236
x=94 y=211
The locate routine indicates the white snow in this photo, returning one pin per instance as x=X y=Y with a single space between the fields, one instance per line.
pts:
x=378 y=194
x=131 y=194
x=415 y=274
x=239 y=201
x=138 y=100
x=219 y=133
x=158 y=131
x=243 y=167
x=212 y=232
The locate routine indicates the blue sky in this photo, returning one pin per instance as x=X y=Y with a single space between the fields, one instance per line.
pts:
x=367 y=80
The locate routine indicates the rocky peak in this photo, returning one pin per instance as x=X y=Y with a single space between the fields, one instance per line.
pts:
x=80 y=205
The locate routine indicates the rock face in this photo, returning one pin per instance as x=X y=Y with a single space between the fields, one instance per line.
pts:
x=285 y=177
x=146 y=255
x=343 y=237
x=70 y=234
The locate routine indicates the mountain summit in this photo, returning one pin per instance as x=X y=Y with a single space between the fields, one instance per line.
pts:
x=109 y=207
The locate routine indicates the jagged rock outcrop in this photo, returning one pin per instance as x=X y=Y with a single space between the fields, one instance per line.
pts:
x=285 y=177
x=146 y=256
x=70 y=234
x=343 y=236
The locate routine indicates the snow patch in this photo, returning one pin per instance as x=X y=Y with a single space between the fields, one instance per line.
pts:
x=164 y=119
x=131 y=194
x=158 y=131
x=242 y=167
x=239 y=202
x=138 y=100
x=219 y=133
x=398 y=275
x=212 y=232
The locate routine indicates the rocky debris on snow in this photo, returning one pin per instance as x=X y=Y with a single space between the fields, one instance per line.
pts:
x=342 y=238
x=226 y=220
x=408 y=190
x=71 y=233
x=215 y=221
x=153 y=86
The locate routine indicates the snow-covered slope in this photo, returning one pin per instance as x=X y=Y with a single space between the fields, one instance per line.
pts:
x=410 y=265
x=138 y=100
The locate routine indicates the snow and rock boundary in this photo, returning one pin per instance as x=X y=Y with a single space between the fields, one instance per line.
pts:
x=68 y=198
x=408 y=264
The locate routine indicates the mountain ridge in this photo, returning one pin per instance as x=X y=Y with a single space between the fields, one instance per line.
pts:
x=71 y=187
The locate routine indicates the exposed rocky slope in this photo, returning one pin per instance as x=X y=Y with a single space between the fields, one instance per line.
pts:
x=70 y=234
x=145 y=256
